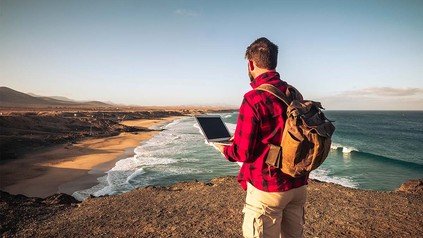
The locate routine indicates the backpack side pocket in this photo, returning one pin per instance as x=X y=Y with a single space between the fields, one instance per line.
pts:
x=274 y=156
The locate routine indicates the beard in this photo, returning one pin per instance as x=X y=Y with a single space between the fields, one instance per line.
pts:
x=250 y=76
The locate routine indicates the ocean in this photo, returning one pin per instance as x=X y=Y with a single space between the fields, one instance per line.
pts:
x=374 y=150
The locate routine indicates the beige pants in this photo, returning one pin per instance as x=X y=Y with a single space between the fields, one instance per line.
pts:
x=274 y=214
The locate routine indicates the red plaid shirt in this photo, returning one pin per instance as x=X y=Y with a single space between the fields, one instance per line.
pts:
x=261 y=121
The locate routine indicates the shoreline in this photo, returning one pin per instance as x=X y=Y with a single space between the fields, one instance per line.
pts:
x=31 y=172
x=68 y=168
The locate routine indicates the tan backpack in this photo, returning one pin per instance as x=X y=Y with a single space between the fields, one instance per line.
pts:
x=306 y=138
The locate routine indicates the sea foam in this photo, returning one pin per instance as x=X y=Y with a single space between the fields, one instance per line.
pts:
x=175 y=154
x=344 y=149
x=324 y=176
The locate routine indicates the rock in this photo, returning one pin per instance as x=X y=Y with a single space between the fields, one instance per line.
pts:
x=60 y=199
x=412 y=186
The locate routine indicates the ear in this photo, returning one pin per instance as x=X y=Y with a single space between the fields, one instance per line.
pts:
x=251 y=65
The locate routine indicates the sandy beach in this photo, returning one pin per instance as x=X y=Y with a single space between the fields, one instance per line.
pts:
x=71 y=167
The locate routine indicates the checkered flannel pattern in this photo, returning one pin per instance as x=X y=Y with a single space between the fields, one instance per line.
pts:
x=260 y=122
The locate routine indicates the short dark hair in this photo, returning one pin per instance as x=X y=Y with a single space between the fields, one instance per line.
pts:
x=263 y=52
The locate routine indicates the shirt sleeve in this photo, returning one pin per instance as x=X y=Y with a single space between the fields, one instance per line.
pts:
x=242 y=149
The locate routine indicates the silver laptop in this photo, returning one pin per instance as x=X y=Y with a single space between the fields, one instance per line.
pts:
x=214 y=129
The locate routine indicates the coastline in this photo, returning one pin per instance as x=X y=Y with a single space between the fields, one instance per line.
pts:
x=68 y=168
x=210 y=208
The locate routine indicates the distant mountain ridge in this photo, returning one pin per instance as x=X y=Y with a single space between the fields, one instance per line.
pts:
x=54 y=97
x=13 y=98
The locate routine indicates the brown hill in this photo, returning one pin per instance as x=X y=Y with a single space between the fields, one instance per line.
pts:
x=13 y=98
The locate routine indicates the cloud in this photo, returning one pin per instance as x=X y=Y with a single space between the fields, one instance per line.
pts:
x=384 y=92
x=186 y=12
x=375 y=98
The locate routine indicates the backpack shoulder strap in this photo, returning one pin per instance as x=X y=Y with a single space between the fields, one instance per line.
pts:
x=292 y=92
x=275 y=92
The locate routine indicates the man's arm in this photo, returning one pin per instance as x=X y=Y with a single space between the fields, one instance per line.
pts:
x=245 y=138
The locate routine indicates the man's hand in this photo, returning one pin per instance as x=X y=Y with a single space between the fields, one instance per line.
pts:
x=220 y=146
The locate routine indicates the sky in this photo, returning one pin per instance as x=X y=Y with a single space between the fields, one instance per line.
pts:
x=350 y=55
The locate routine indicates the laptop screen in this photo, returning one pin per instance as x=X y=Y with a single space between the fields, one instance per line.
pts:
x=213 y=127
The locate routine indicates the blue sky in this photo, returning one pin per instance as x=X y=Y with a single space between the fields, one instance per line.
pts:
x=346 y=54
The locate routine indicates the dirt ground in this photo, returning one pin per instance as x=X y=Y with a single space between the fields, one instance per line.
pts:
x=209 y=209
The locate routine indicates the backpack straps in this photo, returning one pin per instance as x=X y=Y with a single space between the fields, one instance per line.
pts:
x=291 y=93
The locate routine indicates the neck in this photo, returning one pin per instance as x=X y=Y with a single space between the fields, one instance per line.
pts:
x=260 y=71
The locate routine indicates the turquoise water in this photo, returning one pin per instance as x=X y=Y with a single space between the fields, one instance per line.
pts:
x=370 y=150
x=376 y=150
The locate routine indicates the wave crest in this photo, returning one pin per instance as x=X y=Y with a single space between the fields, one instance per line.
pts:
x=343 y=148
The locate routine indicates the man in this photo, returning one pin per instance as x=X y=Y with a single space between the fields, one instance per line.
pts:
x=275 y=201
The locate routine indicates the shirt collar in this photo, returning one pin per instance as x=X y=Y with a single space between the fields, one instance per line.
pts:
x=264 y=78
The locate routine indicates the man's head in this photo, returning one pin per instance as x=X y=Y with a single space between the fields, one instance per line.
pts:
x=262 y=56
